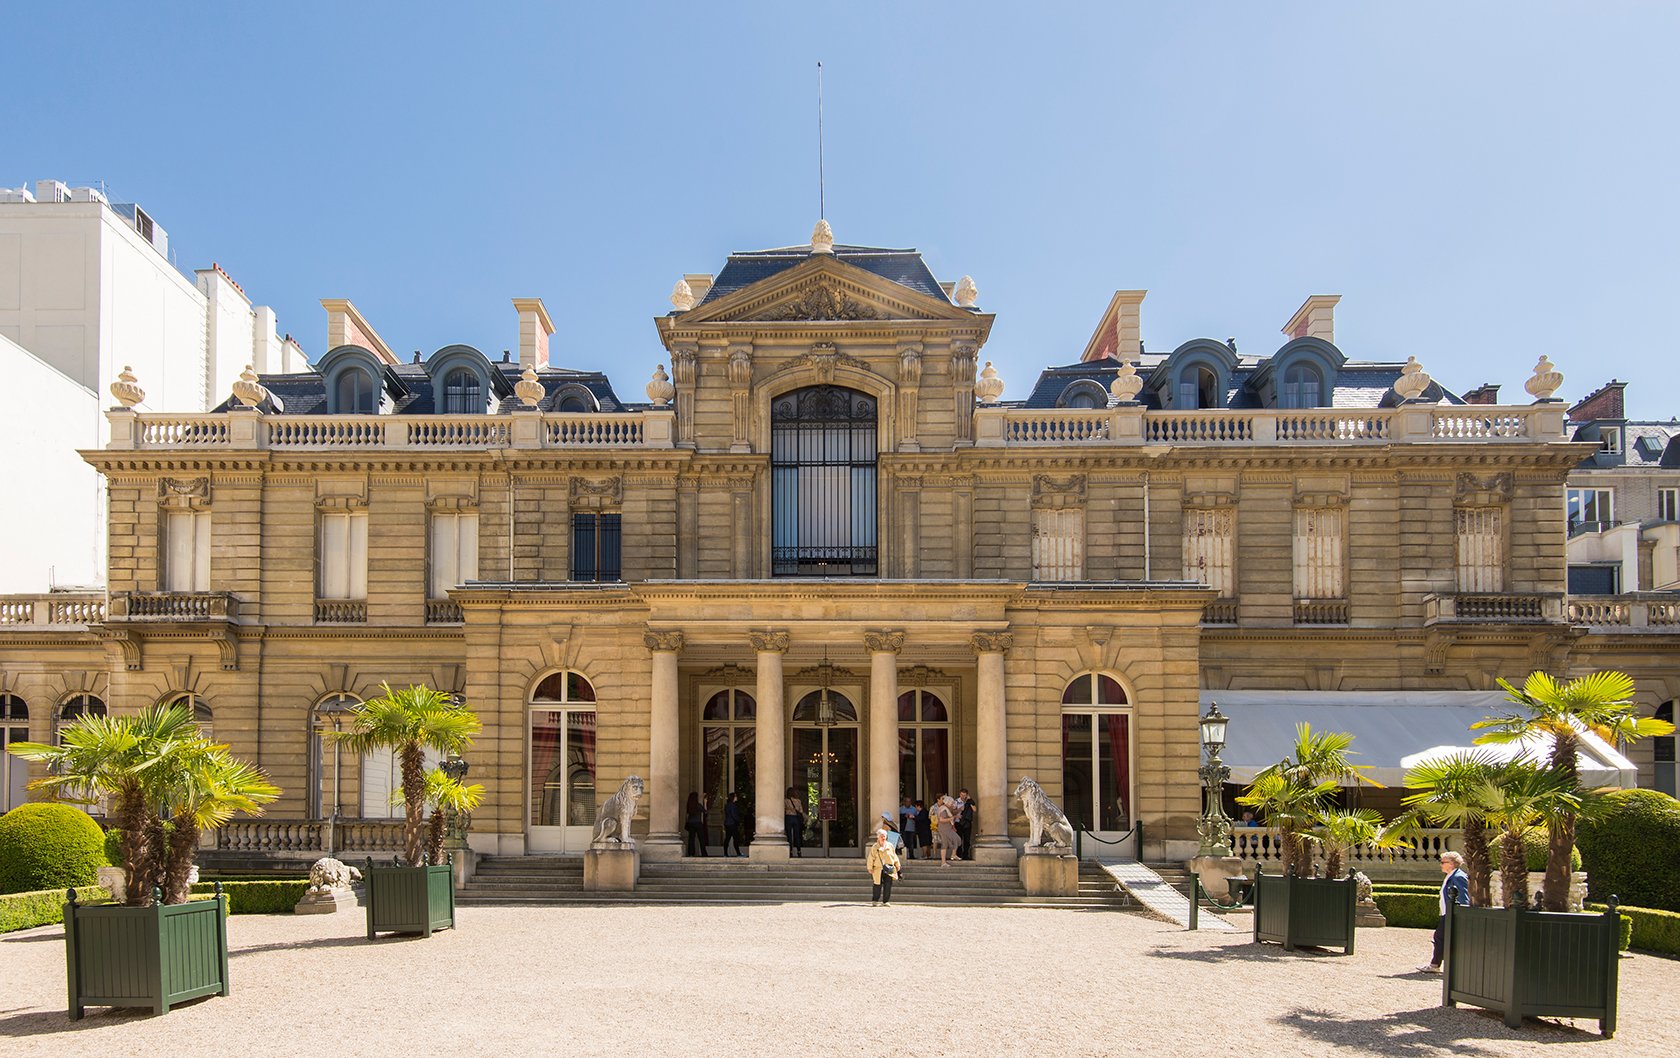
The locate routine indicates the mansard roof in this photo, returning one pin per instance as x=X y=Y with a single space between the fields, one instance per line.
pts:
x=412 y=389
x=904 y=267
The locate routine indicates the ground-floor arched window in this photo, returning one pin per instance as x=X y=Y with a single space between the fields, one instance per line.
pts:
x=1663 y=755
x=1097 y=754
x=728 y=761
x=562 y=755
x=73 y=708
x=924 y=745
x=202 y=715
x=14 y=771
x=325 y=757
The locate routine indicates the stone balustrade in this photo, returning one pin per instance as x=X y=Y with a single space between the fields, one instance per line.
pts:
x=1635 y=611
x=341 y=611
x=1264 y=845
x=310 y=839
x=245 y=429
x=1493 y=608
x=174 y=606
x=52 y=609
x=1132 y=424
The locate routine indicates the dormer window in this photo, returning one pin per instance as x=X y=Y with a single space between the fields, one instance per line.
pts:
x=353 y=392
x=1303 y=387
x=1083 y=393
x=1198 y=387
x=1610 y=439
x=462 y=394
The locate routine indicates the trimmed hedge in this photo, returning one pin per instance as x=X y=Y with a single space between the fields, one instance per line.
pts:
x=1409 y=910
x=257 y=898
x=44 y=845
x=1536 y=848
x=1652 y=930
x=43 y=908
x=1404 y=887
x=1632 y=851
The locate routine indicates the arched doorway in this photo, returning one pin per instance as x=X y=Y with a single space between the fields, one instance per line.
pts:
x=1097 y=760
x=823 y=444
x=728 y=757
x=824 y=770
x=560 y=778
x=924 y=745
x=14 y=771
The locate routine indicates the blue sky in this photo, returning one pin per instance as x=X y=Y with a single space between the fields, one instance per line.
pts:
x=1482 y=183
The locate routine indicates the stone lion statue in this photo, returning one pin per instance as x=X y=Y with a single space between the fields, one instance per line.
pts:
x=327 y=874
x=612 y=820
x=1049 y=825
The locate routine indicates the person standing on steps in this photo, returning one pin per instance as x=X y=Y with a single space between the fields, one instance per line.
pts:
x=1455 y=889
x=966 y=822
x=695 y=825
x=907 y=827
x=945 y=831
x=732 y=824
x=924 y=827
x=793 y=821
x=882 y=864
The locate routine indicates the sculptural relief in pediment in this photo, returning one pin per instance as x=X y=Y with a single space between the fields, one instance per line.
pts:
x=825 y=301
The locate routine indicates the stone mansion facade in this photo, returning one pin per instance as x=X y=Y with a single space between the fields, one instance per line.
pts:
x=823 y=553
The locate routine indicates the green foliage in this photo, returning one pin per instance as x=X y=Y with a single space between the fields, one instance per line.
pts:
x=257 y=898
x=1632 y=849
x=43 y=907
x=1653 y=930
x=1535 y=846
x=1405 y=887
x=113 y=847
x=1409 y=910
x=48 y=846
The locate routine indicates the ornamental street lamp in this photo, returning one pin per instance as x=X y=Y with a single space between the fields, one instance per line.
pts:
x=1214 y=828
x=334 y=711
x=455 y=768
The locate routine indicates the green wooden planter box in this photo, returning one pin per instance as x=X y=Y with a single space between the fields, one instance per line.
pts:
x=410 y=899
x=1304 y=912
x=1533 y=963
x=154 y=956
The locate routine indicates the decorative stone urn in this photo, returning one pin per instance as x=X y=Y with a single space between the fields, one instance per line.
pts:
x=822 y=238
x=659 y=388
x=988 y=387
x=966 y=293
x=248 y=390
x=126 y=389
x=1413 y=380
x=682 y=296
x=528 y=389
x=1126 y=384
x=1545 y=381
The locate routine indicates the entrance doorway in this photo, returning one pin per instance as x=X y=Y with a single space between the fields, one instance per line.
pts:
x=561 y=780
x=1097 y=764
x=824 y=771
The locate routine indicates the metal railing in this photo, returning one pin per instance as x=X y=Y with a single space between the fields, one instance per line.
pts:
x=1080 y=834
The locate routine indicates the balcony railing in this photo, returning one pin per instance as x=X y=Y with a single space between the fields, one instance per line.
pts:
x=174 y=606
x=1493 y=608
x=1220 y=612
x=1264 y=845
x=52 y=609
x=1321 y=611
x=442 y=612
x=244 y=430
x=341 y=611
x=1132 y=424
x=1635 y=610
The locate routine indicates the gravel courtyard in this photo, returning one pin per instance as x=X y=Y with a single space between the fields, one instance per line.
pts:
x=800 y=979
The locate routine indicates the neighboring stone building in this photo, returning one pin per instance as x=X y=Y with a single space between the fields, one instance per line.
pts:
x=86 y=287
x=824 y=554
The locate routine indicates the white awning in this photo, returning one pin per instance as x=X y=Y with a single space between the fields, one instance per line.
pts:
x=1392 y=731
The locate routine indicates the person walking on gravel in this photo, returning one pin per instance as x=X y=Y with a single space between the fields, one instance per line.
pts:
x=882 y=864
x=1456 y=888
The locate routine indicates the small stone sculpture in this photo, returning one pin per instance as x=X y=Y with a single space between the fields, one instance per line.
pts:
x=682 y=296
x=659 y=388
x=248 y=390
x=1047 y=824
x=126 y=389
x=1545 y=381
x=612 y=821
x=528 y=389
x=1413 y=380
x=1126 y=383
x=988 y=387
x=966 y=293
x=327 y=874
x=822 y=238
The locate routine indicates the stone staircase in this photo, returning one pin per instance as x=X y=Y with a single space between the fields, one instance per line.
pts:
x=558 y=880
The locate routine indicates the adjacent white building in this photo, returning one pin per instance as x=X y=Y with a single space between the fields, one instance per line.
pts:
x=87 y=287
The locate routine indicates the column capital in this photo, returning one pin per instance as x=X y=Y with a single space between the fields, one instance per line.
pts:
x=992 y=642
x=769 y=642
x=884 y=642
x=663 y=642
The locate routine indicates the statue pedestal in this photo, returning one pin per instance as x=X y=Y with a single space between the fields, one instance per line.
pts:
x=613 y=869
x=1216 y=873
x=1367 y=915
x=1049 y=871
x=325 y=902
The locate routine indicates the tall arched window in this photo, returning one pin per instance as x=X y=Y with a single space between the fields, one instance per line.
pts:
x=462 y=394
x=200 y=710
x=728 y=744
x=1198 y=387
x=1303 y=387
x=1662 y=753
x=562 y=754
x=1097 y=754
x=14 y=771
x=77 y=705
x=924 y=745
x=325 y=757
x=822 y=466
x=353 y=391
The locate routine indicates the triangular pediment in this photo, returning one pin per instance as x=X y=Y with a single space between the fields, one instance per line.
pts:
x=824 y=290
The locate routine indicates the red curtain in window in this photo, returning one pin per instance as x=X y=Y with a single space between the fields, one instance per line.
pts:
x=1119 y=744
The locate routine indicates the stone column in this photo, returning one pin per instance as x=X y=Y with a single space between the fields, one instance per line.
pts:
x=883 y=725
x=991 y=749
x=770 y=783
x=664 y=840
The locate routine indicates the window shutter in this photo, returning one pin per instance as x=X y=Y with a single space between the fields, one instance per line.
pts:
x=1058 y=544
x=1481 y=549
x=1319 y=533
x=1209 y=546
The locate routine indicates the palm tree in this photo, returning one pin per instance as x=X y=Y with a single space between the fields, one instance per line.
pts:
x=1529 y=795
x=1457 y=791
x=1601 y=703
x=409 y=722
x=200 y=787
x=1293 y=793
x=446 y=797
x=1341 y=830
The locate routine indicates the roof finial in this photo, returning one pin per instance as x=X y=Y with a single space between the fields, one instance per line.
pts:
x=966 y=293
x=682 y=296
x=1413 y=380
x=248 y=389
x=988 y=387
x=127 y=389
x=1545 y=380
x=822 y=238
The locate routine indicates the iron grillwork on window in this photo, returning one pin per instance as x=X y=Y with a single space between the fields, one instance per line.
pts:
x=822 y=462
x=595 y=547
